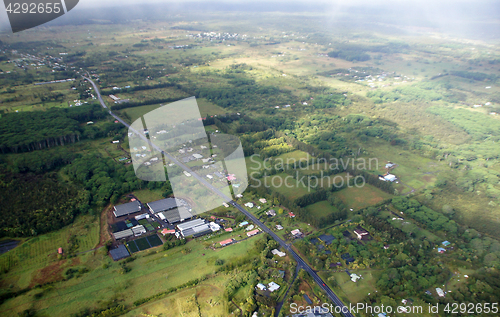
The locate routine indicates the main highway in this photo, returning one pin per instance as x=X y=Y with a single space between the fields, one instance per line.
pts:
x=303 y=264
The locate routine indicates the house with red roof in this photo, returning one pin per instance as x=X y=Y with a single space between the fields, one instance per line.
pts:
x=226 y=242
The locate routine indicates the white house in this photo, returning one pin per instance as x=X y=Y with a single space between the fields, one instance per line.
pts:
x=354 y=277
x=261 y=286
x=390 y=177
x=273 y=286
x=278 y=253
x=296 y=233
x=439 y=292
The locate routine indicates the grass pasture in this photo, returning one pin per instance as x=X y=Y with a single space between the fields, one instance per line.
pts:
x=359 y=198
x=355 y=292
x=286 y=185
x=41 y=250
x=321 y=209
x=149 y=275
x=148 y=195
x=185 y=302
x=206 y=108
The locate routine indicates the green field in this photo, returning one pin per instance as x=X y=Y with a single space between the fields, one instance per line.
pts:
x=148 y=195
x=321 y=209
x=359 y=198
x=38 y=251
x=173 y=267
x=205 y=299
x=355 y=292
x=205 y=107
x=286 y=185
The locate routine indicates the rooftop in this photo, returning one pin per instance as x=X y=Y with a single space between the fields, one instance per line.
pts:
x=176 y=214
x=326 y=238
x=190 y=224
x=127 y=209
x=163 y=204
x=225 y=242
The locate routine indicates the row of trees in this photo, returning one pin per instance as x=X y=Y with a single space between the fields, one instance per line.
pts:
x=29 y=131
x=433 y=220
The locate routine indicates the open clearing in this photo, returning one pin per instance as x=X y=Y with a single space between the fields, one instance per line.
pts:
x=321 y=209
x=359 y=198
x=150 y=274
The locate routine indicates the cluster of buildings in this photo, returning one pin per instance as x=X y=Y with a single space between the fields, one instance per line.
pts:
x=174 y=214
x=217 y=36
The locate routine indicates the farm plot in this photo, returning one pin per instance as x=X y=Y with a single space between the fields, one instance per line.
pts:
x=154 y=240
x=359 y=198
x=321 y=209
x=144 y=243
x=287 y=185
x=132 y=247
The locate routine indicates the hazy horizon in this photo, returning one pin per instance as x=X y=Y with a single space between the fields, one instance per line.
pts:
x=466 y=18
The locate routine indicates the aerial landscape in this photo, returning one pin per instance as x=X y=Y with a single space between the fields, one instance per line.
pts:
x=251 y=159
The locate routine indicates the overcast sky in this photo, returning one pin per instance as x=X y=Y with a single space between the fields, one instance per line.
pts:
x=445 y=14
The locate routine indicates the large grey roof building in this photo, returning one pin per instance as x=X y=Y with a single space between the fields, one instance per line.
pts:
x=190 y=224
x=196 y=228
x=123 y=234
x=175 y=215
x=163 y=204
x=127 y=209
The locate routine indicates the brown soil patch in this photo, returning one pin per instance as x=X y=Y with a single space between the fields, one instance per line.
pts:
x=106 y=217
x=428 y=178
x=49 y=274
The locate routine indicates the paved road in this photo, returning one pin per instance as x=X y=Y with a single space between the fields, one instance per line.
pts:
x=303 y=264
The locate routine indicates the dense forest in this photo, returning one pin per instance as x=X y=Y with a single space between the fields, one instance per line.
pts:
x=29 y=131
x=106 y=180
x=36 y=204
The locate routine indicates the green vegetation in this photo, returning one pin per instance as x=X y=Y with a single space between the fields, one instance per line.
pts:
x=29 y=131
x=311 y=105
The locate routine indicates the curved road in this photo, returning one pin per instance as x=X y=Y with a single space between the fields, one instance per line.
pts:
x=303 y=264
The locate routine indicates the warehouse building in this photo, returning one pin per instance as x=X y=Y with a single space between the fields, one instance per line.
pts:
x=165 y=204
x=195 y=228
x=175 y=215
x=123 y=234
x=127 y=209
